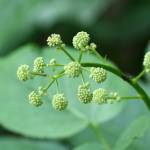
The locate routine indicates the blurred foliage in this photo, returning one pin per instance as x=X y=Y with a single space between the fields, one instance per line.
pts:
x=19 y=19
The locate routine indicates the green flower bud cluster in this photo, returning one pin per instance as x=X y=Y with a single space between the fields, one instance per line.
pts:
x=59 y=102
x=73 y=69
x=35 y=99
x=84 y=93
x=81 y=42
x=39 y=65
x=146 y=62
x=23 y=72
x=99 y=75
x=100 y=96
x=54 y=40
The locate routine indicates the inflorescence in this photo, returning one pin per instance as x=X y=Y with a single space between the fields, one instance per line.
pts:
x=73 y=69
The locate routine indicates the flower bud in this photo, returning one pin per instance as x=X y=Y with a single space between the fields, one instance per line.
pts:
x=54 y=40
x=23 y=72
x=52 y=61
x=93 y=46
x=73 y=69
x=84 y=93
x=99 y=75
x=39 y=65
x=59 y=102
x=81 y=40
x=35 y=99
x=100 y=96
x=146 y=61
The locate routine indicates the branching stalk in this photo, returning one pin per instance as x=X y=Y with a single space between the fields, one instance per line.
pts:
x=68 y=54
x=117 y=72
x=138 y=76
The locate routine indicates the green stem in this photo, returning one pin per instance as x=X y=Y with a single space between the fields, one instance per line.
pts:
x=49 y=84
x=82 y=77
x=80 y=56
x=39 y=74
x=130 y=97
x=54 y=78
x=68 y=54
x=57 y=85
x=117 y=72
x=96 y=129
x=139 y=76
x=56 y=65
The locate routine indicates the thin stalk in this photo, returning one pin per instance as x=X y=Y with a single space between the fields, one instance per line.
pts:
x=57 y=85
x=130 y=97
x=117 y=72
x=68 y=54
x=56 y=65
x=139 y=76
x=39 y=74
x=80 y=56
x=54 y=78
x=82 y=77
x=96 y=129
x=49 y=84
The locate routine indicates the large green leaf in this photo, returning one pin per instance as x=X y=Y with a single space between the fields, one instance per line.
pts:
x=17 y=115
x=89 y=146
x=136 y=130
x=24 y=144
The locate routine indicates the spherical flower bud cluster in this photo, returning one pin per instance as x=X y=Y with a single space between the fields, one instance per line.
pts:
x=98 y=74
x=23 y=72
x=84 y=93
x=54 y=40
x=81 y=40
x=35 y=99
x=100 y=96
x=146 y=61
x=59 y=102
x=39 y=65
x=73 y=69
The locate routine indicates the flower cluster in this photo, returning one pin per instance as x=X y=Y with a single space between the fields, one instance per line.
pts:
x=23 y=72
x=54 y=40
x=35 y=99
x=39 y=65
x=72 y=69
x=99 y=75
x=84 y=93
x=59 y=102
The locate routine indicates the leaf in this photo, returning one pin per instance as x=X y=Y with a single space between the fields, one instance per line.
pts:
x=17 y=115
x=89 y=146
x=24 y=144
x=136 y=130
